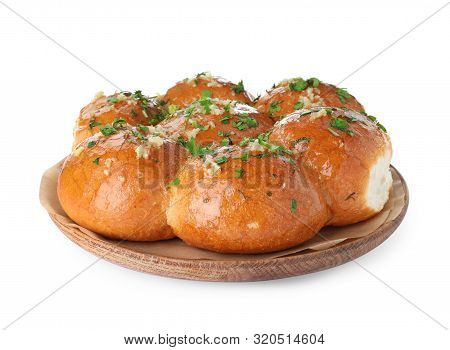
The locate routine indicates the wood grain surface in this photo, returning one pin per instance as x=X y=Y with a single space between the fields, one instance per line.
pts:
x=255 y=269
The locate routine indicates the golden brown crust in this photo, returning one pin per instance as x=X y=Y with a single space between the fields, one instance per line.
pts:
x=183 y=93
x=284 y=99
x=104 y=186
x=336 y=161
x=213 y=120
x=260 y=205
x=134 y=108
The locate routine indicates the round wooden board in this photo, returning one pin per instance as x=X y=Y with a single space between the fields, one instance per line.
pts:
x=255 y=269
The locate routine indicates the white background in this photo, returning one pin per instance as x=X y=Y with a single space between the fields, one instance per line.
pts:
x=150 y=45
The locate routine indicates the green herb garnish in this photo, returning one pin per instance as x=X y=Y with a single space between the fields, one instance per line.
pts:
x=224 y=133
x=293 y=205
x=174 y=182
x=314 y=82
x=118 y=123
x=238 y=88
x=221 y=160
x=112 y=99
x=298 y=84
x=225 y=119
x=172 y=109
x=238 y=173
x=108 y=130
x=93 y=123
x=91 y=144
x=193 y=148
x=225 y=142
x=95 y=161
x=298 y=105
x=244 y=141
x=301 y=139
x=206 y=93
x=341 y=124
x=342 y=94
x=274 y=107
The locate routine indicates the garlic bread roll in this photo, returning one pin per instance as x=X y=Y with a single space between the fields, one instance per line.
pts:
x=244 y=200
x=346 y=154
x=117 y=185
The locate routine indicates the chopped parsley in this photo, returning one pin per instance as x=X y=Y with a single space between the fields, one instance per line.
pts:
x=95 y=161
x=143 y=100
x=221 y=160
x=301 y=139
x=239 y=88
x=244 y=156
x=224 y=133
x=298 y=84
x=341 y=124
x=298 y=105
x=93 y=123
x=143 y=128
x=91 y=144
x=244 y=141
x=245 y=122
x=200 y=126
x=206 y=93
x=225 y=119
x=174 y=182
x=108 y=130
x=293 y=205
x=381 y=126
x=374 y=119
x=172 y=109
x=238 y=173
x=342 y=94
x=269 y=193
x=225 y=142
x=193 y=148
x=112 y=99
x=118 y=123
x=274 y=107
x=206 y=104
x=314 y=82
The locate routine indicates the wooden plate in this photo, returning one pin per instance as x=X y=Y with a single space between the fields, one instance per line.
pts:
x=175 y=259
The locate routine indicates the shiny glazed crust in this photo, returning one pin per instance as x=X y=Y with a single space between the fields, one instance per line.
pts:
x=283 y=100
x=133 y=108
x=106 y=188
x=183 y=93
x=213 y=120
x=337 y=161
x=260 y=205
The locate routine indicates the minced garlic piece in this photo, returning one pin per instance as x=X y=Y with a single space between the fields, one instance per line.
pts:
x=216 y=110
x=106 y=172
x=253 y=225
x=108 y=162
x=141 y=152
x=192 y=133
x=155 y=141
x=316 y=115
x=213 y=83
x=78 y=151
x=98 y=95
x=121 y=178
x=121 y=97
x=210 y=166
x=255 y=146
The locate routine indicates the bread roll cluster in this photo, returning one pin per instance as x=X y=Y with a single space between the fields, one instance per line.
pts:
x=222 y=171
